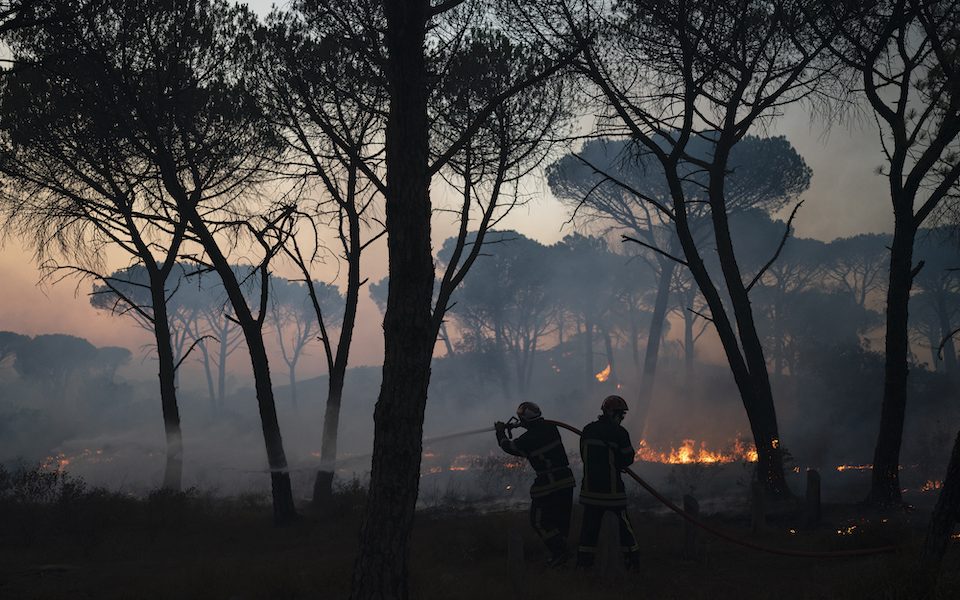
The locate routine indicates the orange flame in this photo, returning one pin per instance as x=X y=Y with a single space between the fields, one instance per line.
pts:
x=688 y=452
x=604 y=374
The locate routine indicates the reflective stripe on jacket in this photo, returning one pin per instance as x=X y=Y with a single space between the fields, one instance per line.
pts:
x=606 y=450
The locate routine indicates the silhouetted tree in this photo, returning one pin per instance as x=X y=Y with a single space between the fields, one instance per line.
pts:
x=327 y=95
x=588 y=262
x=10 y=342
x=902 y=55
x=415 y=46
x=938 y=299
x=128 y=292
x=858 y=264
x=77 y=186
x=52 y=359
x=607 y=186
x=295 y=320
x=169 y=80
x=507 y=303
x=669 y=74
x=111 y=358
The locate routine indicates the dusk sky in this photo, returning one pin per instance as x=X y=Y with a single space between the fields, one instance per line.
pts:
x=846 y=197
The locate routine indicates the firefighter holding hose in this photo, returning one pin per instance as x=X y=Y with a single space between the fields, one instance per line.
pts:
x=606 y=451
x=552 y=492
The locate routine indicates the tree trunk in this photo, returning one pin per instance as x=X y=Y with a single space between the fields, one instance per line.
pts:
x=589 y=371
x=654 y=337
x=222 y=367
x=760 y=408
x=293 y=387
x=445 y=336
x=323 y=485
x=689 y=351
x=944 y=517
x=935 y=361
x=173 y=472
x=608 y=348
x=501 y=358
x=380 y=572
x=283 y=508
x=885 y=484
x=211 y=394
x=949 y=351
x=756 y=397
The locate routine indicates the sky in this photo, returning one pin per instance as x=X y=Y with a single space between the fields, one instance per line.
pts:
x=846 y=197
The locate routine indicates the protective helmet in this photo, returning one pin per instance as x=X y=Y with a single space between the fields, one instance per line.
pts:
x=613 y=404
x=528 y=411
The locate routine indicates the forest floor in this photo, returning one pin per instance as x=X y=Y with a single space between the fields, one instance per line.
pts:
x=100 y=545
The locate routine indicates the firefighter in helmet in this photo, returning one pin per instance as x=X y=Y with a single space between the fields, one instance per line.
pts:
x=552 y=491
x=606 y=451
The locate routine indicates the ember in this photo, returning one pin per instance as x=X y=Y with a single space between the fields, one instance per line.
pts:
x=931 y=485
x=842 y=468
x=848 y=530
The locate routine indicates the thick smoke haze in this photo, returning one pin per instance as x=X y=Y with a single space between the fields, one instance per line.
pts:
x=846 y=197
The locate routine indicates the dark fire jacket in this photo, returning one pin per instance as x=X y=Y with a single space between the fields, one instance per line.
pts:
x=542 y=446
x=606 y=450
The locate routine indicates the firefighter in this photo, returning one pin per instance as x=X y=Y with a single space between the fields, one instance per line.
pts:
x=606 y=451
x=551 y=496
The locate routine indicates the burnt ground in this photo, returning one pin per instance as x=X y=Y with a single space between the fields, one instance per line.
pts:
x=100 y=545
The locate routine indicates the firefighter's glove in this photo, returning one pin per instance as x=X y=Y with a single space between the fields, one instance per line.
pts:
x=500 y=427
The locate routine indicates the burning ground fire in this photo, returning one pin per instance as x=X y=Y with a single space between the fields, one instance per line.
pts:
x=688 y=452
x=60 y=461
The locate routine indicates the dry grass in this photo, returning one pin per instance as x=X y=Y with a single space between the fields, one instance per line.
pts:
x=75 y=543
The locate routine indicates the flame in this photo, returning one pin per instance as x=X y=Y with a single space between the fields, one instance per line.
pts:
x=688 y=452
x=604 y=374
x=843 y=468
x=931 y=485
x=60 y=461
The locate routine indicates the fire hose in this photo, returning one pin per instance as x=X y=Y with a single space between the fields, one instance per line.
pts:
x=730 y=537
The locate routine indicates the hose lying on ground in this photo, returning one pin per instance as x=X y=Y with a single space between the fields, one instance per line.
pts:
x=732 y=538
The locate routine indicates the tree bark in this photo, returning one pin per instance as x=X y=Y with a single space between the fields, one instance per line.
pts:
x=885 y=483
x=652 y=352
x=173 y=472
x=380 y=572
x=944 y=517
